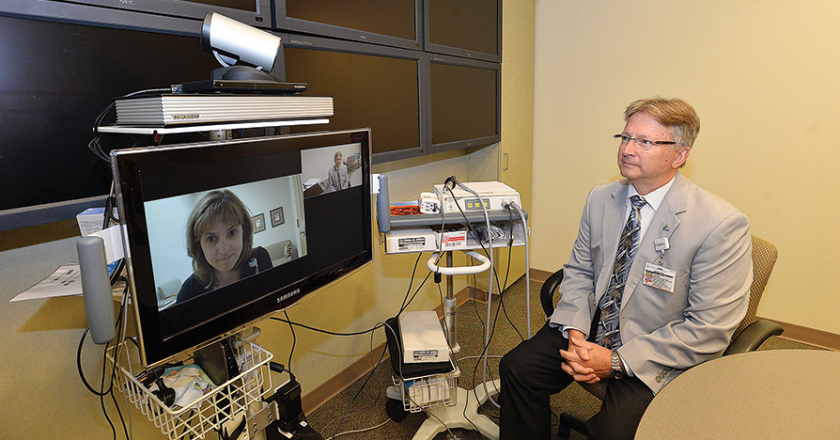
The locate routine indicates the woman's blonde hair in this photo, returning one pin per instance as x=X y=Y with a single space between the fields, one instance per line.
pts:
x=225 y=207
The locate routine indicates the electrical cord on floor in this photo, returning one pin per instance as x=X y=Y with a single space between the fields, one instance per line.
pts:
x=120 y=321
x=367 y=379
x=493 y=327
x=358 y=431
x=361 y=411
x=101 y=393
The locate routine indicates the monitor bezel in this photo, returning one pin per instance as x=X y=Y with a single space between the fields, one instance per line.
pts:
x=438 y=48
x=283 y=22
x=156 y=348
x=481 y=141
x=260 y=17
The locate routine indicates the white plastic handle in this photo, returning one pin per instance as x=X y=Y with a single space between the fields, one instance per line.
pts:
x=465 y=270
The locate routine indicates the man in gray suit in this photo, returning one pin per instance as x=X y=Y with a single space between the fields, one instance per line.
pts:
x=686 y=290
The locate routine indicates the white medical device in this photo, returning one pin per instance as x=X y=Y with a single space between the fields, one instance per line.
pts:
x=494 y=196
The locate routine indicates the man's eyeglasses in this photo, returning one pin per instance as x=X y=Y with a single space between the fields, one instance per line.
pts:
x=644 y=144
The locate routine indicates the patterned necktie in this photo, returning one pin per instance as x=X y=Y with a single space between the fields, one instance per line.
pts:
x=608 y=332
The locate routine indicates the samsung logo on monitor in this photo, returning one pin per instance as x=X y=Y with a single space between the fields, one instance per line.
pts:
x=288 y=295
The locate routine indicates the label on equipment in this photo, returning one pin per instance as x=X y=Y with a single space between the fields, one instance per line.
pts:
x=425 y=355
x=457 y=239
x=411 y=244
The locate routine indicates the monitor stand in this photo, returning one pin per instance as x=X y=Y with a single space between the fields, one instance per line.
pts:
x=464 y=414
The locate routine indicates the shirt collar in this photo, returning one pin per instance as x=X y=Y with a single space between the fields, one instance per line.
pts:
x=655 y=198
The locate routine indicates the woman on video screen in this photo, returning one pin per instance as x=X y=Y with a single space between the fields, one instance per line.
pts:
x=220 y=242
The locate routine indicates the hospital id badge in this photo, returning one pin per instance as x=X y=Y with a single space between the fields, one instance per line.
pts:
x=660 y=277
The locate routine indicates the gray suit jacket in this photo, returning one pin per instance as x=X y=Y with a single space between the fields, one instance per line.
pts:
x=664 y=333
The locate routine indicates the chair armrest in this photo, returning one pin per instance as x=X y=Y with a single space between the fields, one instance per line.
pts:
x=753 y=336
x=547 y=292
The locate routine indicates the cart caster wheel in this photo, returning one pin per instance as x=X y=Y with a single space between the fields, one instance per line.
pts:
x=395 y=410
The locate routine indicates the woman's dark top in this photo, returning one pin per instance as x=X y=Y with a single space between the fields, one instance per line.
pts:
x=260 y=261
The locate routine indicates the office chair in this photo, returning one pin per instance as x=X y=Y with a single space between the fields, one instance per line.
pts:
x=749 y=335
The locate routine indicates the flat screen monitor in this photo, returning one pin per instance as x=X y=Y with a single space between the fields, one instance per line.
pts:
x=465 y=28
x=221 y=234
x=465 y=103
x=391 y=23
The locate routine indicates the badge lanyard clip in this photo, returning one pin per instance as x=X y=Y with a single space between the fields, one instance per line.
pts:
x=661 y=245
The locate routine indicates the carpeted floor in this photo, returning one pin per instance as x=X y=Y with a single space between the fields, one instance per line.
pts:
x=361 y=407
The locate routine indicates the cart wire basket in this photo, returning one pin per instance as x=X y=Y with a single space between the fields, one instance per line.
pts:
x=427 y=392
x=208 y=413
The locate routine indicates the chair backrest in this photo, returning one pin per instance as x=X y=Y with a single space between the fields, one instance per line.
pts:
x=549 y=288
x=764 y=257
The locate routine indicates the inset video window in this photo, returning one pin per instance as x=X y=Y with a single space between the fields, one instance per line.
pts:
x=331 y=169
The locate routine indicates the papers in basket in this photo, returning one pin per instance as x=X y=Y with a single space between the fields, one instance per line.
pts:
x=189 y=382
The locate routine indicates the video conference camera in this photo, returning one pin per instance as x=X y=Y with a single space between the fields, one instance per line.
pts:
x=232 y=43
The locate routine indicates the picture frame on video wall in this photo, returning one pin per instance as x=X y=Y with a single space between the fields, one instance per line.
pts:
x=259 y=223
x=277 y=218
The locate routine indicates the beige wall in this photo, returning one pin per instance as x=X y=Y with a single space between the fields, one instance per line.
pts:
x=41 y=393
x=765 y=79
x=516 y=156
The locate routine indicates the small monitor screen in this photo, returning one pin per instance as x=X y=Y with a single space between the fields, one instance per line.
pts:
x=222 y=233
